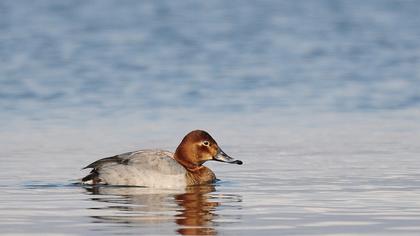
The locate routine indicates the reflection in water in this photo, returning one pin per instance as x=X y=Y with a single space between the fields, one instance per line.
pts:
x=193 y=209
x=196 y=217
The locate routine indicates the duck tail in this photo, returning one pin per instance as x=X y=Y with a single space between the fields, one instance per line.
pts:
x=91 y=178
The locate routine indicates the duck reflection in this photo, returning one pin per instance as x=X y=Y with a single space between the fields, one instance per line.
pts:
x=193 y=209
x=197 y=213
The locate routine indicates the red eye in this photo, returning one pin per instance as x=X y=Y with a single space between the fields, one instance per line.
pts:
x=206 y=143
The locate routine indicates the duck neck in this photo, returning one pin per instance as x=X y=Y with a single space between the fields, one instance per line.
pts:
x=181 y=157
x=196 y=173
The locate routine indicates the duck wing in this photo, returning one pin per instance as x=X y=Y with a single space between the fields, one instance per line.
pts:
x=133 y=165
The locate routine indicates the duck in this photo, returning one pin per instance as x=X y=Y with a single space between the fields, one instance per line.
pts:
x=160 y=168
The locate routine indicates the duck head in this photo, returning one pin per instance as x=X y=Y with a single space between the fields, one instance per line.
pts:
x=198 y=147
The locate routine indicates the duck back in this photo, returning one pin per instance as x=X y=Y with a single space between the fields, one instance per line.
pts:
x=151 y=168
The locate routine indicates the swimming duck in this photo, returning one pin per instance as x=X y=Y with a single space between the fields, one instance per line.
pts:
x=160 y=168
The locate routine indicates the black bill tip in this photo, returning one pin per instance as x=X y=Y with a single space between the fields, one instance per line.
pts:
x=239 y=162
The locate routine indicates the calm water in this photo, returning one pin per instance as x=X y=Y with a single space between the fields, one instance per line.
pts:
x=320 y=99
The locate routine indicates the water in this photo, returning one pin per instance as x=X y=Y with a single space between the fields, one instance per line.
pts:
x=320 y=99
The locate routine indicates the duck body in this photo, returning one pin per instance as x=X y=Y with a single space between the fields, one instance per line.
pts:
x=153 y=168
x=159 y=168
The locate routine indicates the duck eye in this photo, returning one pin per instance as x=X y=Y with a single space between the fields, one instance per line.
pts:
x=206 y=143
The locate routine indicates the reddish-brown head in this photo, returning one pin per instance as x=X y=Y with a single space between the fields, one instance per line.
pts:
x=198 y=147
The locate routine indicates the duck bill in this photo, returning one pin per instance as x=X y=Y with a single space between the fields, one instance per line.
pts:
x=223 y=157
